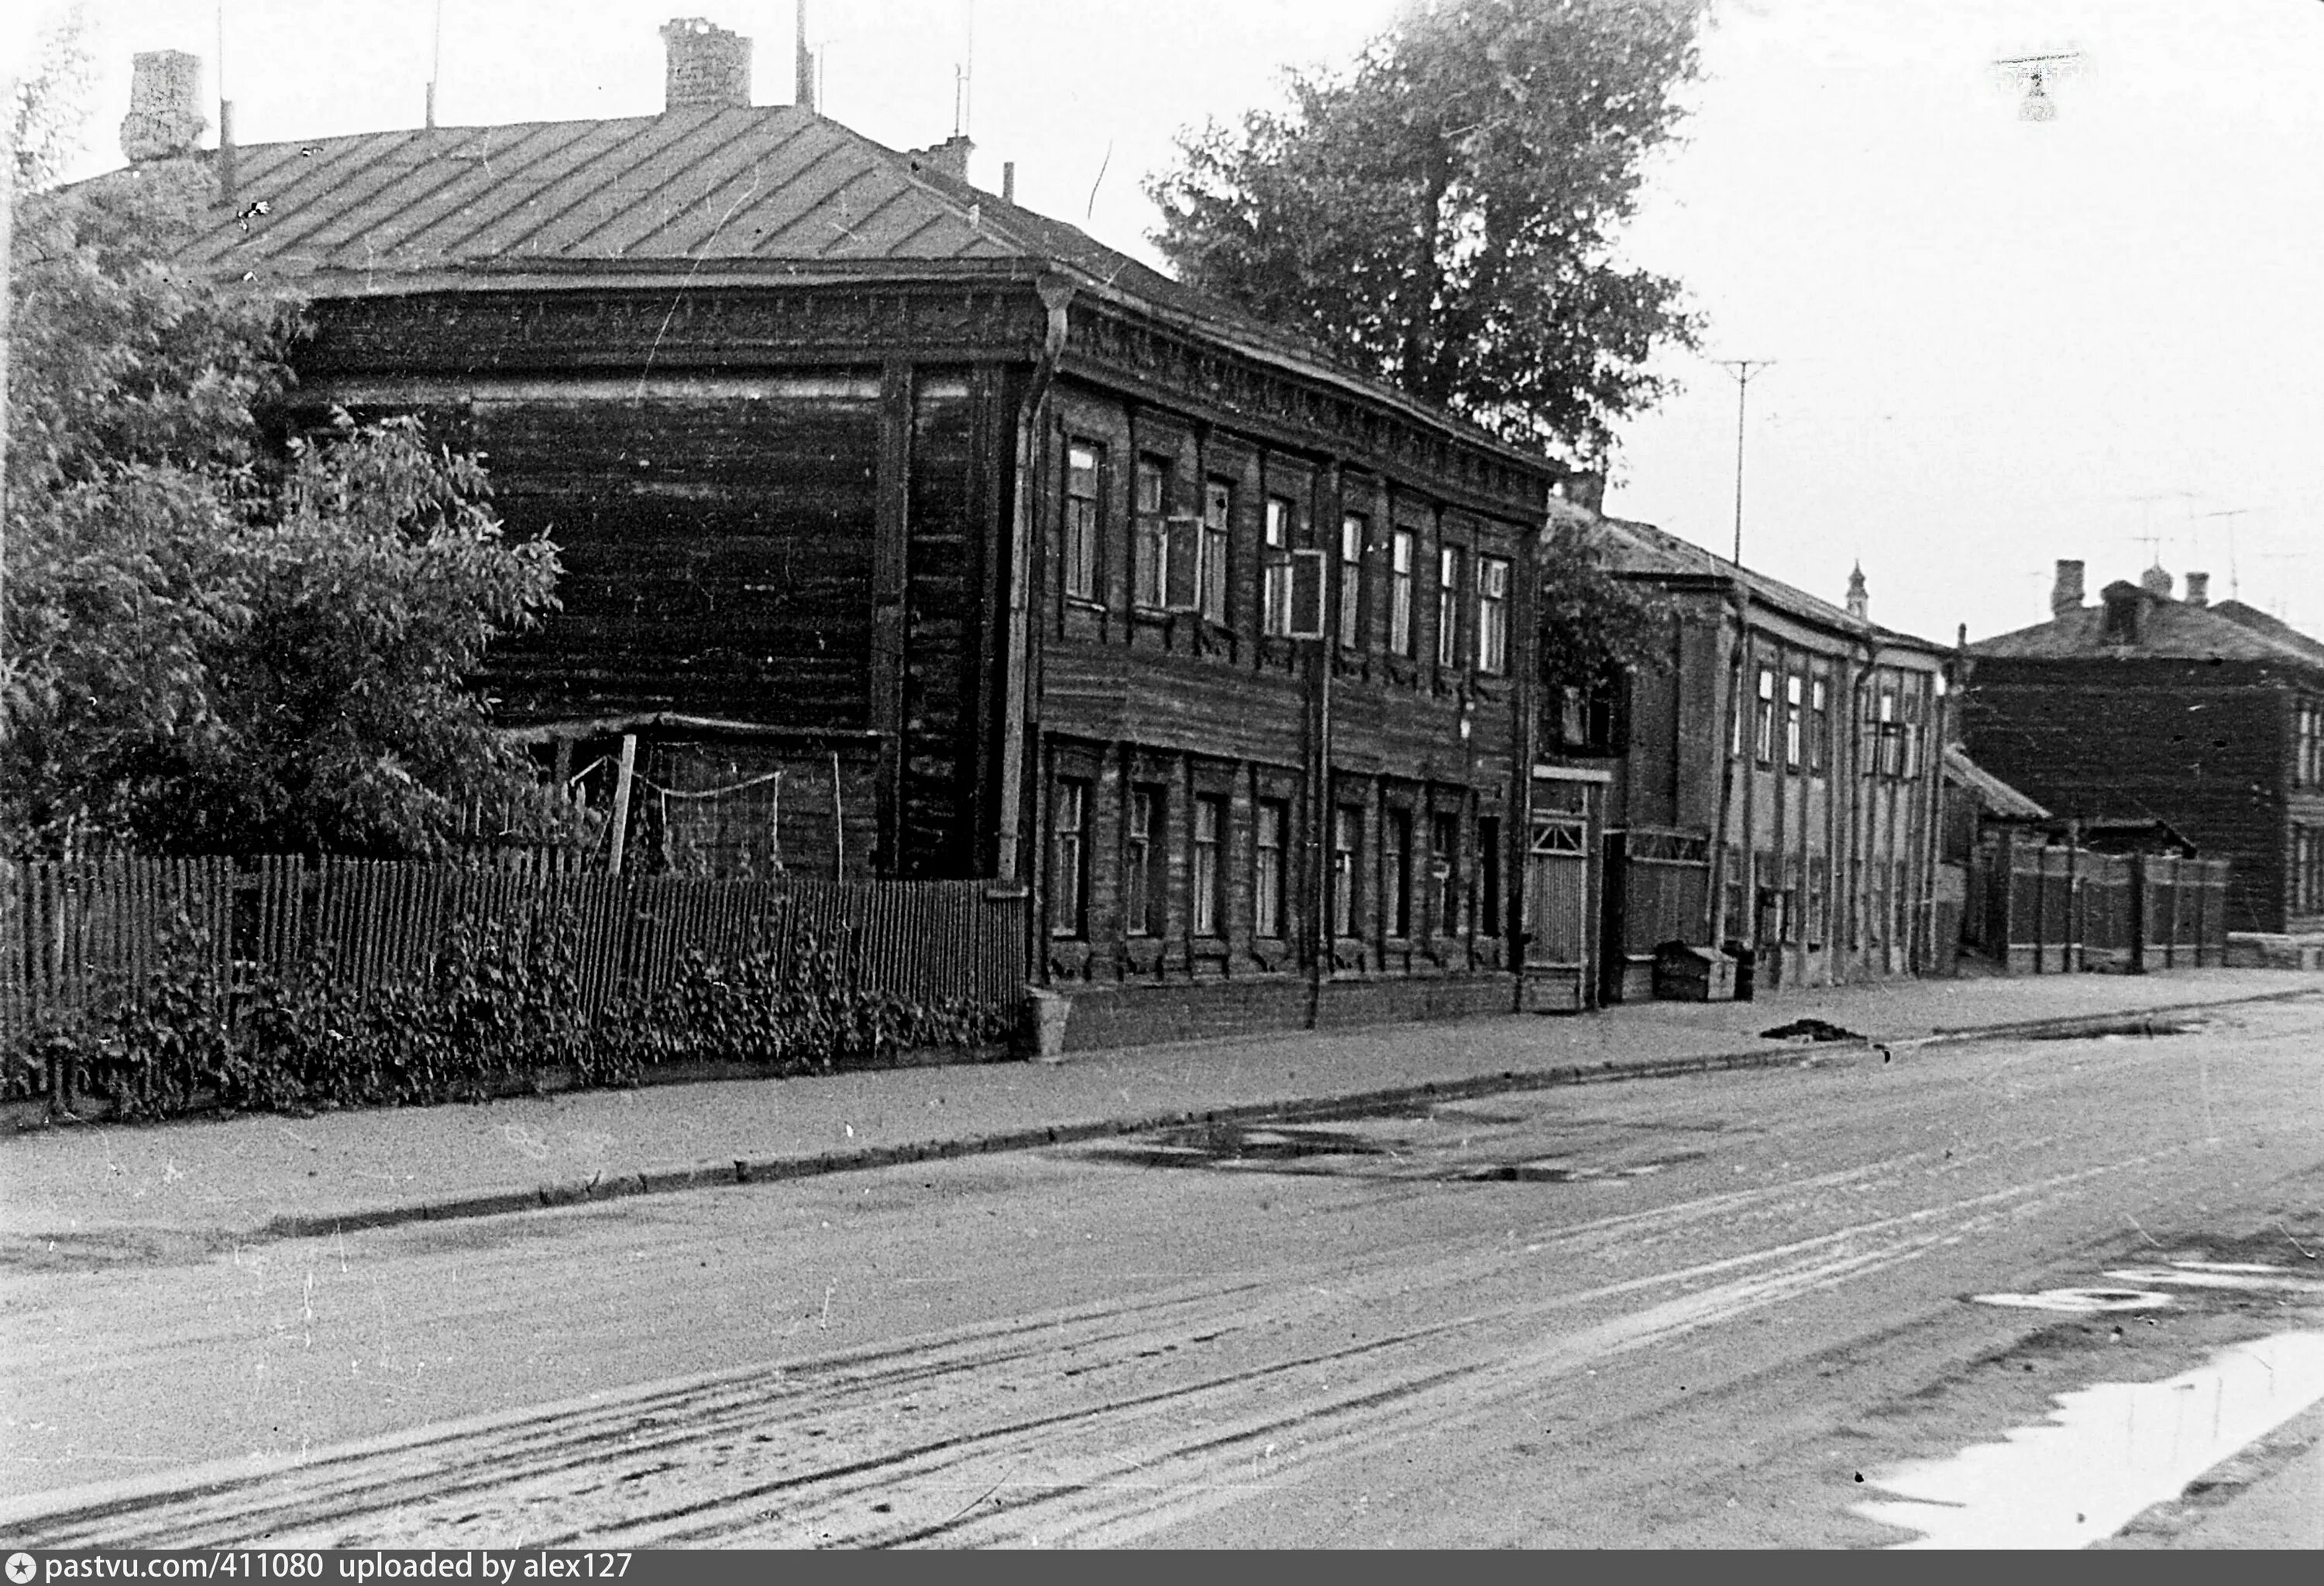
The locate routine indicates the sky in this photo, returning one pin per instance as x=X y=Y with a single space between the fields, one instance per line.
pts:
x=1995 y=342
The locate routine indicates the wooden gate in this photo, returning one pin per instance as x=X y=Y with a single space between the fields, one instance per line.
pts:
x=1561 y=890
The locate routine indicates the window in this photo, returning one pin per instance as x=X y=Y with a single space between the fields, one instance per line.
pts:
x=1492 y=615
x=1489 y=874
x=1819 y=724
x=1210 y=876
x=1448 y=608
x=1151 y=552
x=1347 y=864
x=1887 y=728
x=1734 y=885
x=1763 y=738
x=1210 y=550
x=1445 y=869
x=1083 y=465
x=1069 y=860
x=1274 y=595
x=1141 y=864
x=2307 y=870
x=1269 y=874
x=1735 y=721
x=1909 y=748
x=1399 y=593
x=1793 y=727
x=1399 y=873
x=2308 y=760
x=1352 y=530
x=1819 y=902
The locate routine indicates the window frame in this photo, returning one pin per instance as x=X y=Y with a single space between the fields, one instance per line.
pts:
x=1213 y=550
x=1444 y=871
x=1085 y=531
x=1069 y=858
x=1492 y=615
x=1395 y=839
x=1355 y=533
x=1794 y=721
x=1270 y=870
x=1278 y=523
x=1819 y=724
x=1347 y=868
x=1209 y=899
x=1149 y=533
x=1449 y=558
x=1145 y=845
x=1403 y=546
x=1763 y=729
x=1489 y=876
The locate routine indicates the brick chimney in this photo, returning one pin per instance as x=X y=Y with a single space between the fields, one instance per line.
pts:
x=708 y=67
x=165 y=105
x=950 y=157
x=2155 y=581
x=2198 y=589
x=2066 y=595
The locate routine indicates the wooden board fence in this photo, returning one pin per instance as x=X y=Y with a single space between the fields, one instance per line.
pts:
x=2050 y=909
x=75 y=934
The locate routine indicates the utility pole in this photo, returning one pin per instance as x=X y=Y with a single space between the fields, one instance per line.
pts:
x=1742 y=369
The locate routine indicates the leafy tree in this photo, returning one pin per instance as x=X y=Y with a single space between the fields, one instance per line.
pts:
x=1591 y=626
x=215 y=640
x=1441 y=214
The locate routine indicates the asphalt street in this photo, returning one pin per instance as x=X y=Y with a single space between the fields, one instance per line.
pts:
x=1716 y=1310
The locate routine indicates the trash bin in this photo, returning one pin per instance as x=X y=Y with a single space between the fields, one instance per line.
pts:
x=1046 y=1014
x=1746 y=961
x=1687 y=973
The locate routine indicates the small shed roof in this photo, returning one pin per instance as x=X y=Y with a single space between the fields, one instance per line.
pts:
x=1997 y=797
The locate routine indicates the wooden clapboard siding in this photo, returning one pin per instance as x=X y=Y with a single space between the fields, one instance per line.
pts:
x=718 y=552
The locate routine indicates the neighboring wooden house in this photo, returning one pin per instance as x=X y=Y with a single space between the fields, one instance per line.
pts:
x=2144 y=708
x=1979 y=808
x=1772 y=786
x=910 y=533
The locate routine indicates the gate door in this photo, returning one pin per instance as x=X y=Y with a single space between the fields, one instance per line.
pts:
x=1560 y=857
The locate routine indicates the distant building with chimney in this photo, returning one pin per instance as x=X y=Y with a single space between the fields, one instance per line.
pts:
x=2143 y=707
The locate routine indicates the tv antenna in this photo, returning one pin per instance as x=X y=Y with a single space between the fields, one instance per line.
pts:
x=2035 y=73
x=1742 y=369
x=2234 y=584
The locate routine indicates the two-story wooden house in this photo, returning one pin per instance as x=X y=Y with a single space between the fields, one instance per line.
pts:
x=910 y=533
x=1772 y=784
x=2143 y=707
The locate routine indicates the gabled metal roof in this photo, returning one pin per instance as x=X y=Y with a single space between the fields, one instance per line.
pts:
x=713 y=194
x=772 y=182
x=1642 y=552
x=2169 y=630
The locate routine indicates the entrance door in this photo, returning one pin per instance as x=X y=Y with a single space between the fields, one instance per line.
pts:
x=1559 y=961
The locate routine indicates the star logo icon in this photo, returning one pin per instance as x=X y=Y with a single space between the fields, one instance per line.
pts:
x=22 y=1568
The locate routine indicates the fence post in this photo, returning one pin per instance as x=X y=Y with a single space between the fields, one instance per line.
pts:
x=621 y=779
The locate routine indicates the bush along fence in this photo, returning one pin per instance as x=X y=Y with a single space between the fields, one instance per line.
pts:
x=149 y=988
x=2050 y=910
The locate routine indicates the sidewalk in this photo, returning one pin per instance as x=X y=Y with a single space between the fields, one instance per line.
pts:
x=263 y=1177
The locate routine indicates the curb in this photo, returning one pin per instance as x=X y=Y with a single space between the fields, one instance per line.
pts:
x=1297 y=1109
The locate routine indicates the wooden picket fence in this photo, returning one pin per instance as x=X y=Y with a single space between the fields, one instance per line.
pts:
x=71 y=935
x=2053 y=909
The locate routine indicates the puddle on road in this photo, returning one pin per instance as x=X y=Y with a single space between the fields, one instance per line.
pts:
x=2107 y=1453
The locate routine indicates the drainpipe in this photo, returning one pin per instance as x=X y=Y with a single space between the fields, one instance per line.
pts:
x=1019 y=716
x=1715 y=911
